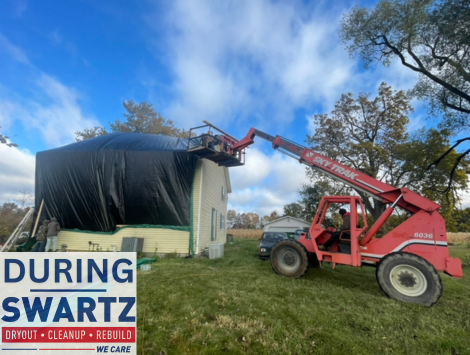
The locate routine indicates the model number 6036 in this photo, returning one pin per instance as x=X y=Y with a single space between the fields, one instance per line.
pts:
x=424 y=235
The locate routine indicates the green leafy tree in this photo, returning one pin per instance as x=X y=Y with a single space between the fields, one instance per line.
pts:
x=294 y=210
x=248 y=220
x=251 y=220
x=365 y=134
x=138 y=118
x=430 y=37
x=88 y=133
x=462 y=218
x=370 y=135
x=231 y=218
x=272 y=217
x=10 y=216
x=310 y=197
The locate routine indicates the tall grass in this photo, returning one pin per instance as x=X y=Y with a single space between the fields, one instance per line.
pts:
x=458 y=238
x=246 y=233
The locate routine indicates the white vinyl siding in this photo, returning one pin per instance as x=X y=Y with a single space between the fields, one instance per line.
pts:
x=164 y=240
x=207 y=196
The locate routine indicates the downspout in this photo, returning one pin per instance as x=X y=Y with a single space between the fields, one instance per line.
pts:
x=191 y=223
x=191 y=218
x=199 y=210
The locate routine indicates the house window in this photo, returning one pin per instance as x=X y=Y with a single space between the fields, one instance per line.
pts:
x=214 y=225
x=222 y=221
x=223 y=194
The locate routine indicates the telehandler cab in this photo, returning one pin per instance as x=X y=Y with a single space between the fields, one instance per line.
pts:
x=407 y=259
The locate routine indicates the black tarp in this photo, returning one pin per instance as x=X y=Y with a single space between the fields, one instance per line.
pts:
x=119 y=178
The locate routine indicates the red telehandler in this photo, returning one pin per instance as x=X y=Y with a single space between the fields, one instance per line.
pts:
x=407 y=259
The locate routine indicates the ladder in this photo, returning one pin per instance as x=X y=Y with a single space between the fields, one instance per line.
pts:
x=17 y=232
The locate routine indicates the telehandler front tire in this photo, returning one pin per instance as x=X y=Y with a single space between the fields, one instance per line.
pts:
x=289 y=258
x=409 y=278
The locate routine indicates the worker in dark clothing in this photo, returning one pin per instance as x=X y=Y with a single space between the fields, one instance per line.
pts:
x=53 y=230
x=41 y=237
x=343 y=230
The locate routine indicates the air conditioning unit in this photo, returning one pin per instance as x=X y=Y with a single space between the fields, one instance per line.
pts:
x=132 y=244
x=216 y=251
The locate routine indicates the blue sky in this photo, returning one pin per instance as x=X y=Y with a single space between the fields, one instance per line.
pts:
x=68 y=65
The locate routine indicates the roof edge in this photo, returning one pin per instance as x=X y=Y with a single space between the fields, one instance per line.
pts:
x=297 y=219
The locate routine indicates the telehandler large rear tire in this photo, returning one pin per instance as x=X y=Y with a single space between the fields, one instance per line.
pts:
x=409 y=278
x=289 y=258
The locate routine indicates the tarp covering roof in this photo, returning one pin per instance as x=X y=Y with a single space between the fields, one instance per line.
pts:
x=119 y=178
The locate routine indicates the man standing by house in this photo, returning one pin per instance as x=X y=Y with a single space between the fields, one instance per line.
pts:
x=41 y=237
x=53 y=230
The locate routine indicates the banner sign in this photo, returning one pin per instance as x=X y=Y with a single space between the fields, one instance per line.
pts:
x=79 y=302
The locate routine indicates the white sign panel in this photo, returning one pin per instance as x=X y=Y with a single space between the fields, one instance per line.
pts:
x=82 y=303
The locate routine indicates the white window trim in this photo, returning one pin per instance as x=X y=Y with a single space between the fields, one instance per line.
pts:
x=214 y=224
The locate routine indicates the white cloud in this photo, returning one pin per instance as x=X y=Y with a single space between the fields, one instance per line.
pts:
x=396 y=75
x=51 y=108
x=465 y=201
x=256 y=169
x=16 y=172
x=60 y=106
x=266 y=183
x=6 y=110
x=258 y=57
x=260 y=200
x=54 y=111
x=12 y=50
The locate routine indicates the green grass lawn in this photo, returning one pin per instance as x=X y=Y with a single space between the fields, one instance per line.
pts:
x=238 y=305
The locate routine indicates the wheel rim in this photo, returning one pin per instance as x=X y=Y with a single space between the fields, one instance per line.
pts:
x=289 y=259
x=408 y=280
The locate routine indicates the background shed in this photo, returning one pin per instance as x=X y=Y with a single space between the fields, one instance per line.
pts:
x=286 y=224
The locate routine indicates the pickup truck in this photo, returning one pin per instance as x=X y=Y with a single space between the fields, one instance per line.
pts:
x=268 y=241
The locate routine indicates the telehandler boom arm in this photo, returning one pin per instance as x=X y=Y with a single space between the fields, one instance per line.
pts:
x=379 y=190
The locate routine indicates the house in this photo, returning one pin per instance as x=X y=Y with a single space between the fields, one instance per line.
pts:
x=133 y=185
x=285 y=224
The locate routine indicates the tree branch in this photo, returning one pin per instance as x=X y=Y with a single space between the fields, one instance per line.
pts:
x=452 y=172
x=434 y=78
x=447 y=152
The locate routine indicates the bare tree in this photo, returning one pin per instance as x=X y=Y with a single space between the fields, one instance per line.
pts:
x=24 y=198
